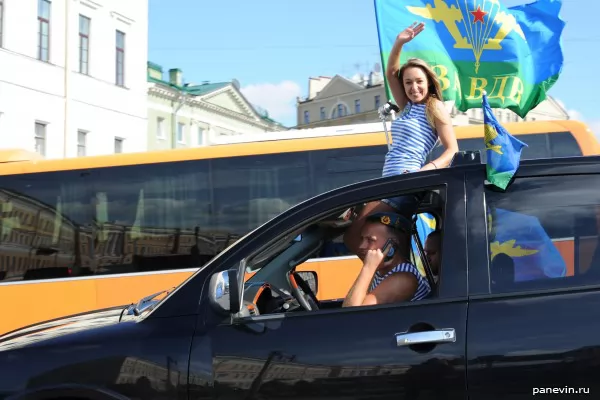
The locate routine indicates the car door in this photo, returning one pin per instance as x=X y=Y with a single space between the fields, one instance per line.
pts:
x=356 y=352
x=534 y=283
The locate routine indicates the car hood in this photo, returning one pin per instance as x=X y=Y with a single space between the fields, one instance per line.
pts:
x=63 y=326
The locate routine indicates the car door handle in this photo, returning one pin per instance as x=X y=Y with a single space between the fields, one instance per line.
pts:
x=437 y=336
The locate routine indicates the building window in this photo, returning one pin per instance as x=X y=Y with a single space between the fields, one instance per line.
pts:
x=84 y=44
x=200 y=136
x=377 y=102
x=160 y=128
x=118 y=145
x=306 y=117
x=44 y=30
x=340 y=111
x=40 y=138
x=81 y=141
x=180 y=132
x=1 y=20
x=120 y=59
x=356 y=106
x=322 y=113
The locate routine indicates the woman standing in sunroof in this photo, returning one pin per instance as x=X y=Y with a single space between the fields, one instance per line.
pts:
x=423 y=120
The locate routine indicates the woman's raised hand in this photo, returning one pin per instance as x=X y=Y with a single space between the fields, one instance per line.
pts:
x=409 y=33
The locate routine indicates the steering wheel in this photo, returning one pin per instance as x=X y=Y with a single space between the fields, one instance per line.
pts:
x=302 y=292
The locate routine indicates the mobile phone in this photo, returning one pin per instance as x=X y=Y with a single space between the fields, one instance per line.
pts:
x=391 y=252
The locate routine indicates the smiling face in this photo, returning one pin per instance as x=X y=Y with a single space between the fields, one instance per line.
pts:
x=415 y=84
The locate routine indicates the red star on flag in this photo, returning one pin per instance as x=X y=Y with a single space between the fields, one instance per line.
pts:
x=479 y=14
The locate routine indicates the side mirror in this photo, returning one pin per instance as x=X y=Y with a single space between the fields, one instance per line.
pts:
x=224 y=292
x=311 y=279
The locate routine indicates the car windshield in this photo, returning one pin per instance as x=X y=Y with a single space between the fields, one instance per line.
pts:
x=272 y=251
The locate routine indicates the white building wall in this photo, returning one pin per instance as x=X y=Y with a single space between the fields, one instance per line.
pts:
x=33 y=90
x=214 y=123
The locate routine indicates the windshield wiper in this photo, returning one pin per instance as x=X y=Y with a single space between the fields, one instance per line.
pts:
x=145 y=303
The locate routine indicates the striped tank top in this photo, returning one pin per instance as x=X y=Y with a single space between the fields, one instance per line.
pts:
x=412 y=140
x=423 y=288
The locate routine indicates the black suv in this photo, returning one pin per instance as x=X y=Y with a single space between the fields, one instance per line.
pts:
x=511 y=313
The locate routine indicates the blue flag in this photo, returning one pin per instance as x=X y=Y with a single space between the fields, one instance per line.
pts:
x=523 y=238
x=502 y=149
x=425 y=225
x=515 y=54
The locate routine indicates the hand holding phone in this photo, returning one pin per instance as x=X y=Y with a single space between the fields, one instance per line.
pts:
x=377 y=258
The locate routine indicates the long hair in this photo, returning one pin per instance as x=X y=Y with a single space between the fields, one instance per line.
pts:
x=434 y=90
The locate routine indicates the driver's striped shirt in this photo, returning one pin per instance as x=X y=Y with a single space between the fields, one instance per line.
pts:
x=423 y=288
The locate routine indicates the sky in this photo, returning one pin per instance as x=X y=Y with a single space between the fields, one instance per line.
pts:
x=272 y=47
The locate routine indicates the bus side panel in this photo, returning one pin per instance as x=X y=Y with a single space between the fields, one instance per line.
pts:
x=127 y=290
x=48 y=300
x=566 y=248
x=335 y=277
x=26 y=304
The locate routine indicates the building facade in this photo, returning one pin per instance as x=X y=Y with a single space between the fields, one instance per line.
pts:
x=72 y=76
x=338 y=100
x=188 y=115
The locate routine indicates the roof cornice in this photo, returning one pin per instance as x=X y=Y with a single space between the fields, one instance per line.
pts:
x=198 y=101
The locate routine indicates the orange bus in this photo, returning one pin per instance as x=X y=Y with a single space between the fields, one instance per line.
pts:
x=92 y=232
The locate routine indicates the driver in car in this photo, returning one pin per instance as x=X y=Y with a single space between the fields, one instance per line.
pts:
x=387 y=275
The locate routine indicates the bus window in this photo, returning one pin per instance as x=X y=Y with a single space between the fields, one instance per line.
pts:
x=152 y=217
x=541 y=145
x=467 y=144
x=153 y=196
x=248 y=191
x=563 y=144
x=43 y=225
x=463 y=144
x=537 y=146
x=335 y=168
